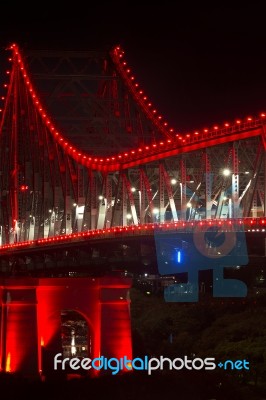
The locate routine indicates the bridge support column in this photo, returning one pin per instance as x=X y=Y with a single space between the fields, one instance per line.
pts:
x=115 y=320
x=31 y=320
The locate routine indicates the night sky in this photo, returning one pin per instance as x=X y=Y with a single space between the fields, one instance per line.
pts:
x=200 y=66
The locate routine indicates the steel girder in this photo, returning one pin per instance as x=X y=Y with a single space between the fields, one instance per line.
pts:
x=89 y=101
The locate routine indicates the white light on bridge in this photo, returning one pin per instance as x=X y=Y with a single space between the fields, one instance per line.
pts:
x=226 y=172
x=173 y=181
x=189 y=205
x=129 y=216
x=100 y=197
x=155 y=210
x=133 y=189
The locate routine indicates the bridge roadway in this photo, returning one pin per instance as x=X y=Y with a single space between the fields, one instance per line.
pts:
x=130 y=249
x=149 y=229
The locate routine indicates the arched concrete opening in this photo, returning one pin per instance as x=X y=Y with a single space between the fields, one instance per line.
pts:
x=76 y=341
x=75 y=335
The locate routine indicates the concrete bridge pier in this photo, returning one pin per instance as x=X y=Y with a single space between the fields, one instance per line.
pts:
x=31 y=325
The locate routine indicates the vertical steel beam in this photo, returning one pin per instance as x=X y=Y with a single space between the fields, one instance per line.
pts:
x=131 y=199
x=86 y=224
x=171 y=200
x=183 y=188
x=93 y=201
x=208 y=185
x=117 y=208
x=142 y=198
x=145 y=187
x=161 y=193
x=90 y=211
x=108 y=194
x=250 y=193
x=254 y=208
x=68 y=203
x=124 y=202
x=102 y=204
x=80 y=209
x=235 y=182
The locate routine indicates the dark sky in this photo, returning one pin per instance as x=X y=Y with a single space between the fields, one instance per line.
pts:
x=198 y=65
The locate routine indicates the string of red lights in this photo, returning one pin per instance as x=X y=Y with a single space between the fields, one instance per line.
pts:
x=227 y=225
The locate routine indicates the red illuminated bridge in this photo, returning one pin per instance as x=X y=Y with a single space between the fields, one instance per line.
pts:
x=89 y=172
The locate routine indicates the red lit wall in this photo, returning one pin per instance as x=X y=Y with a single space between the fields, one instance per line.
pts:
x=19 y=350
x=115 y=321
x=31 y=319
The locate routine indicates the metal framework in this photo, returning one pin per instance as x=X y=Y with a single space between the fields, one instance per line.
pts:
x=55 y=182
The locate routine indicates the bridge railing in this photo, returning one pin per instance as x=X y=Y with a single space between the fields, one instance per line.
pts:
x=187 y=139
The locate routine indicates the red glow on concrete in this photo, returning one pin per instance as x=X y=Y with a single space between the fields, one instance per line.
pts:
x=8 y=363
x=31 y=319
x=19 y=328
x=115 y=311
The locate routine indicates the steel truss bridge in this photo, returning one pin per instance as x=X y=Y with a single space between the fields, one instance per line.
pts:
x=85 y=157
